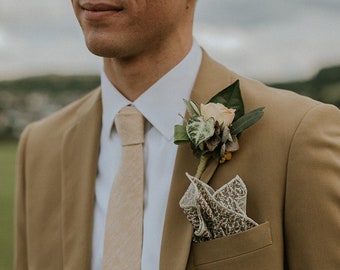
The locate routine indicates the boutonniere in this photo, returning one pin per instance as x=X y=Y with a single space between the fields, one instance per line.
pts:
x=212 y=129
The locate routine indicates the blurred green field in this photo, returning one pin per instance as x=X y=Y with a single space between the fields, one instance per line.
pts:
x=7 y=171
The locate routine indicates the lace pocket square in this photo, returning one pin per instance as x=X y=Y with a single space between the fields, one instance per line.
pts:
x=214 y=214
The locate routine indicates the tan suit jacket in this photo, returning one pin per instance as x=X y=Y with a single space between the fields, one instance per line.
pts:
x=289 y=160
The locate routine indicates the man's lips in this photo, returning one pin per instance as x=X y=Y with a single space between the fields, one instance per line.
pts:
x=100 y=11
x=100 y=7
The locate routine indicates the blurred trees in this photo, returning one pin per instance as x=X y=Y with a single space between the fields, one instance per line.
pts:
x=325 y=86
x=25 y=100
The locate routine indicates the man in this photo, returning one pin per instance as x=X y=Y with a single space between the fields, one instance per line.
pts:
x=289 y=160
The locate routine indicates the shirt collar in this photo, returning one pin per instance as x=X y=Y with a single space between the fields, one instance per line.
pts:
x=162 y=102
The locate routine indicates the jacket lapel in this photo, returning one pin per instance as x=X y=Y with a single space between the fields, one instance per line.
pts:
x=177 y=232
x=79 y=167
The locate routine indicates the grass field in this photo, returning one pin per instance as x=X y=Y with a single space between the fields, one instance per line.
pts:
x=7 y=164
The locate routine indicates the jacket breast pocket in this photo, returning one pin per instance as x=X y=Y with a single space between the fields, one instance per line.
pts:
x=222 y=249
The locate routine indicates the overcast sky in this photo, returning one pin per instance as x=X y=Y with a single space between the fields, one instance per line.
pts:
x=270 y=40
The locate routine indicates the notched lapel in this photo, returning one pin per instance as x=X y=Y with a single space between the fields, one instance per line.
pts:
x=79 y=168
x=177 y=232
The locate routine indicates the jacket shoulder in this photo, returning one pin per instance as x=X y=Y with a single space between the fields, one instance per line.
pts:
x=69 y=114
x=54 y=125
x=284 y=109
x=213 y=77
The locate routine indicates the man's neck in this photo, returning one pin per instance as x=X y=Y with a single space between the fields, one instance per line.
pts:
x=133 y=76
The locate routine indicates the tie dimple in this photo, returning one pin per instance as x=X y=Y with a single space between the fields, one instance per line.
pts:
x=130 y=126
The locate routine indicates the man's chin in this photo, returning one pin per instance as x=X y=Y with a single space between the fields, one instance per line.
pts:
x=111 y=51
x=103 y=51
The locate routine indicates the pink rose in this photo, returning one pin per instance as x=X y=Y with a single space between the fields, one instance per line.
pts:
x=219 y=112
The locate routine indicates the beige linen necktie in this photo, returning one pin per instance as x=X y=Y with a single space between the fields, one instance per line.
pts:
x=124 y=221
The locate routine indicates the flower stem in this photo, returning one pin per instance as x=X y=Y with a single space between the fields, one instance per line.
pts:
x=201 y=166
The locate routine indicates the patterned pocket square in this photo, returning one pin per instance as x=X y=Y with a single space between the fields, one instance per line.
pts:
x=216 y=214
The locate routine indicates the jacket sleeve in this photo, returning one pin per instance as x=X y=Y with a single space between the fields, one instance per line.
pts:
x=20 y=236
x=312 y=209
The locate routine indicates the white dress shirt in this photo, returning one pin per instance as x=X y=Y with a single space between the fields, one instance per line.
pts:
x=160 y=105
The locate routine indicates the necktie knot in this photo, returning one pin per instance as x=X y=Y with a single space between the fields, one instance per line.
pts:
x=130 y=126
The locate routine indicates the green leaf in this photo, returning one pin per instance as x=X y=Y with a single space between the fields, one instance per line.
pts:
x=192 y=108
x=231 y=98
x=199 y=130
x=246 y=121
x=181 y=135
